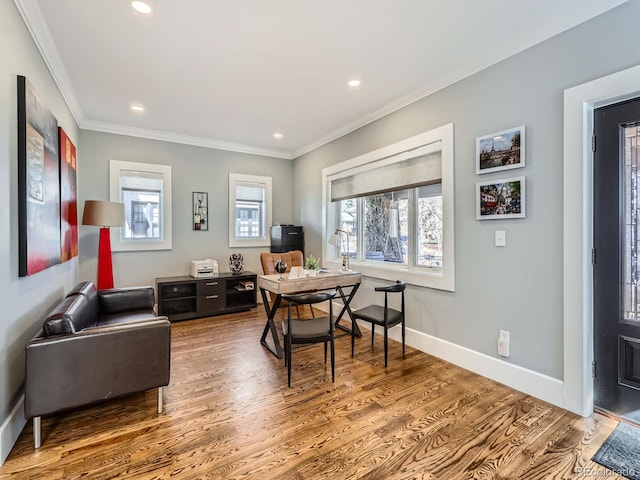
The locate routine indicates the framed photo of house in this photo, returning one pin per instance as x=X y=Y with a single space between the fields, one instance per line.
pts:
x=200 y=211
x=503 y=198
x=502 y=150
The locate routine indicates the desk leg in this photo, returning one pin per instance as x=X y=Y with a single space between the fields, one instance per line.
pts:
x=271 y=325
x=346 y=300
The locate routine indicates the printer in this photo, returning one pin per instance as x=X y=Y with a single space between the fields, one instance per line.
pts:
x=204 y=268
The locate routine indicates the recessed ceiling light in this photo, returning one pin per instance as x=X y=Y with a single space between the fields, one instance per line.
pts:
x=353 y=83
x=136 y=107
x=141 y=7
x=277 y=135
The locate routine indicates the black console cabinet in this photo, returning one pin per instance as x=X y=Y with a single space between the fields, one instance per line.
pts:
x=182 y=298
x=285 y=238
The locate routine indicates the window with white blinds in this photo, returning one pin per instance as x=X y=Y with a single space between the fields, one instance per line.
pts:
x=395 y=205
x=249 y=210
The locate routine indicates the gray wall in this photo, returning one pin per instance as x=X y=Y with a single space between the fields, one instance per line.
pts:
x=24 y=300
x=194 y=169
x=517 y=288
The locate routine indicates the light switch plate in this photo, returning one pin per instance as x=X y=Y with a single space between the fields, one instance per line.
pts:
x=501 y=238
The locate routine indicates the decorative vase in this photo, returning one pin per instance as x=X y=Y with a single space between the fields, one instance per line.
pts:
x=280 y=267
x=236 y=263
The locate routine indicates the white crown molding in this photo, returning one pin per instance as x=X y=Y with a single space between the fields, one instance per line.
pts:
x=526 y=40
x=184 y=139
x=32 y=17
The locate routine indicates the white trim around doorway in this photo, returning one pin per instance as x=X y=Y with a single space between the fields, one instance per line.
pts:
x=579 y=103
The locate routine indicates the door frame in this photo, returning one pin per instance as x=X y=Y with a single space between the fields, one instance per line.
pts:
x=579 y=103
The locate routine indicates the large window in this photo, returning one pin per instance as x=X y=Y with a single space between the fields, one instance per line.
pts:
x=249 y=210
x=396 y=205
x=145 y=190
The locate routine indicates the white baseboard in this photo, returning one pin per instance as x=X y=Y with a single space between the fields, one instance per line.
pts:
x=11 y=429
x=532 y=383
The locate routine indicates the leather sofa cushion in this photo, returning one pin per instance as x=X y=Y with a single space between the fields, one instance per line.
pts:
x=125 y=300
x=130 y=316
x=71 y=315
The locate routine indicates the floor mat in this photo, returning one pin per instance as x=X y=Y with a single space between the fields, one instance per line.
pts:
x=620 y=452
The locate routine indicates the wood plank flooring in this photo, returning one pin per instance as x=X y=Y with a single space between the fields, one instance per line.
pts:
x=229 y=414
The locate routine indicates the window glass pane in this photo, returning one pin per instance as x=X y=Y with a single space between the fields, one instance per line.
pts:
x=631 y=205
x=141 y=193
x=348 y=221
x=250 y=212
x=429 y=237
x=386 y=227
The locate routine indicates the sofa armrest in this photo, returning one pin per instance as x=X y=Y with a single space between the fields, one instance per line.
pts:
x=117 y=300
x=96 y=364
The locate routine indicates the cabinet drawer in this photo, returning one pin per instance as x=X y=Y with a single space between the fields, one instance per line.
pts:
x=210 y=287
x=210 y=303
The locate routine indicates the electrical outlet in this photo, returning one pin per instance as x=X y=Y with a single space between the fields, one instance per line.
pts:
x=504 y=343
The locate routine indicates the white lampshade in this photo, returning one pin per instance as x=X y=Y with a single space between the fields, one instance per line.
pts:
x=103 y=213
x=334 y=240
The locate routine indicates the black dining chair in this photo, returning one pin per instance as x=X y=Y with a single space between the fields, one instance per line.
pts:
x=308 y=331
x=385 y=316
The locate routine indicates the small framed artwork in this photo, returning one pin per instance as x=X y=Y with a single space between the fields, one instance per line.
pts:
x=200 y=211
x=503 y=198
x=500 y=150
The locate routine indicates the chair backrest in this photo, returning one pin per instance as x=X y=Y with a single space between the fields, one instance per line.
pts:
x=399 y=286
x=309 y=298
x=293 y=258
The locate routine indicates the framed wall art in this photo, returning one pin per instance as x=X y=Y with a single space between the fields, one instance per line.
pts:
x=68 y=198
x=498 y=199
x=200 y=211
x=38 y=183
x=501 y=150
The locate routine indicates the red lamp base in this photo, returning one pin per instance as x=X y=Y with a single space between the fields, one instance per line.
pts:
x=105 y=267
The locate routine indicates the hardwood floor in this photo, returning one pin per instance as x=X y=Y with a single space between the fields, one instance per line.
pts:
x=229 y=414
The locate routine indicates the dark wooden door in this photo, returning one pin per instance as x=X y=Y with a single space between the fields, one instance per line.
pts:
x=616 y=252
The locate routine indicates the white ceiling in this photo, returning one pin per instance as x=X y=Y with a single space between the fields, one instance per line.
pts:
x=228 y=74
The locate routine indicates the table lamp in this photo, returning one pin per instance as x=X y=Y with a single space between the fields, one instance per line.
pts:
x=104 y=214
x=335 y=240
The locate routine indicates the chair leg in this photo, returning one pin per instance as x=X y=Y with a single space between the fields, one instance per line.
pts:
x=159 y=399
x=353 y=337
x=403 y=338
x=37 y=432
x=386 y=344
x=373 y=331
x=288 y=356
x=333 y=361
x=285 y=351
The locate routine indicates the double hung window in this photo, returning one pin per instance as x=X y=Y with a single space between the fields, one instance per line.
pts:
x=249 y=210
x=145 y=190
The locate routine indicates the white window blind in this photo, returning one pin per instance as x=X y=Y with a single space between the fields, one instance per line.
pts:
x=413 y=168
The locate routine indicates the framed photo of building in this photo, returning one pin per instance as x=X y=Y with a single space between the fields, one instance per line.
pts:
x=498 y=199
x=200 y=211
x=501 y=150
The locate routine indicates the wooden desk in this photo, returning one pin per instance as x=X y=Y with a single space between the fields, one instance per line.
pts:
x=323 y=281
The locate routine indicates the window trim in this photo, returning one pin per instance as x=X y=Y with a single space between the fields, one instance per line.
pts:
x=413 y=274
x=234 y=179
x=118 y=244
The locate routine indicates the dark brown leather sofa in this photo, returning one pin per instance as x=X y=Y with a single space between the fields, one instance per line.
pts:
x=96 y=345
